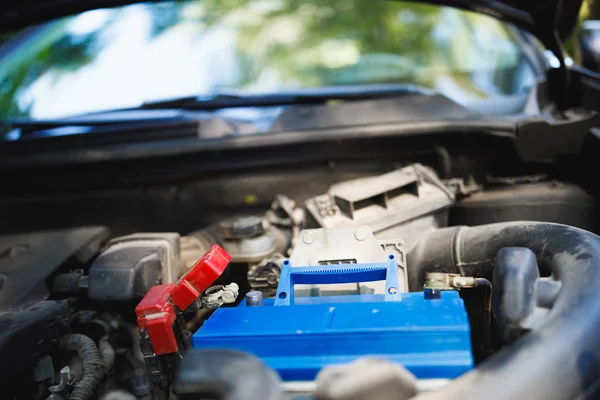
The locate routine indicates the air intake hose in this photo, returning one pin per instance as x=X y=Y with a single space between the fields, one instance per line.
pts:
x=561 y=358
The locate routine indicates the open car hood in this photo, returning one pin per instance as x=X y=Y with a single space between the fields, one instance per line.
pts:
x=541 y=17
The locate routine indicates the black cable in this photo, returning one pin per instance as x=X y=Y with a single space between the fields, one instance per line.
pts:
x=487 y=315
x=95 y=372
x=483 y=282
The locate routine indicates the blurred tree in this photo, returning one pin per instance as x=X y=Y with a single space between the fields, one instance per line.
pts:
x=332 y=42
x=313 y=41
x=53 y=49
x=50 y=50
x=164 y=16
x=590 y=10
x=288 y=44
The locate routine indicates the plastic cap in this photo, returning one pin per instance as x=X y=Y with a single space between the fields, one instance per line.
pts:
x=200 y=277
x=156 y=300
x=242 y=227
x=155 y=314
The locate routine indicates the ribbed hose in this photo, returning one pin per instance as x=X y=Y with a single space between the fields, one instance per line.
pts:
x=95 y=372
x=561 y=359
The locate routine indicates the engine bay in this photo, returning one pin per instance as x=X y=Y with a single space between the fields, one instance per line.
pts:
x=375 y=288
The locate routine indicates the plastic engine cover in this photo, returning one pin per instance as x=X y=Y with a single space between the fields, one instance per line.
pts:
x=298 y=337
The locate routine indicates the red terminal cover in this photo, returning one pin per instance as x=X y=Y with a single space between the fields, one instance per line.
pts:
x=200 y=277
x=155 y=314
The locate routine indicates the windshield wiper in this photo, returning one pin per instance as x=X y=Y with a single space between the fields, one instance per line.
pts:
x=306 y=96
x=302 y=96
x=175 y=111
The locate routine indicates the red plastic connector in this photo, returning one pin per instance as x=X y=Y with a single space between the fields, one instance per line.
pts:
x=200 y=277
x=155 y=314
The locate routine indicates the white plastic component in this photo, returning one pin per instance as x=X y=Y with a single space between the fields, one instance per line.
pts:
x=355 y=245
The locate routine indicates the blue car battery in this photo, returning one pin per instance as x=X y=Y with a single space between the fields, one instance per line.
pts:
x=297 y=337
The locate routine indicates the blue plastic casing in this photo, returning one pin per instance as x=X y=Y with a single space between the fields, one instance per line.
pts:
x=298 y=338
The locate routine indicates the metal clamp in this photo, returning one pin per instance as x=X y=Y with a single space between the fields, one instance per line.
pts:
x=216 y=296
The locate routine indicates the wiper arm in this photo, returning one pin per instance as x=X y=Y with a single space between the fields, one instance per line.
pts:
x=307 y=96
x=225 y=100
x=303 y=96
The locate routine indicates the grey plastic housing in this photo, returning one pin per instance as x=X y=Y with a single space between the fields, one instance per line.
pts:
x=132 y=264
x=346 y=246
x=401 y=203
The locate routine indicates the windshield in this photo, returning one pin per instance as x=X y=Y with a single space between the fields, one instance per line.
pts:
x=123 y=57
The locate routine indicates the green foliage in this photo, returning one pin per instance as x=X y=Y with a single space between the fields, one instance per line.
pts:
x=590 y=10
x=292 y=37
x=290 y=43
x=49 y=51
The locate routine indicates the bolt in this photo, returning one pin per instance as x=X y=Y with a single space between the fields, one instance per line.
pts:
x=392 y=290
x=307 y=237
x=463 y=282
x=360 y=234
x=254 y=298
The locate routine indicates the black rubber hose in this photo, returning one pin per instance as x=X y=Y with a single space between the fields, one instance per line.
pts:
x=561 y=359
x=95 y=372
